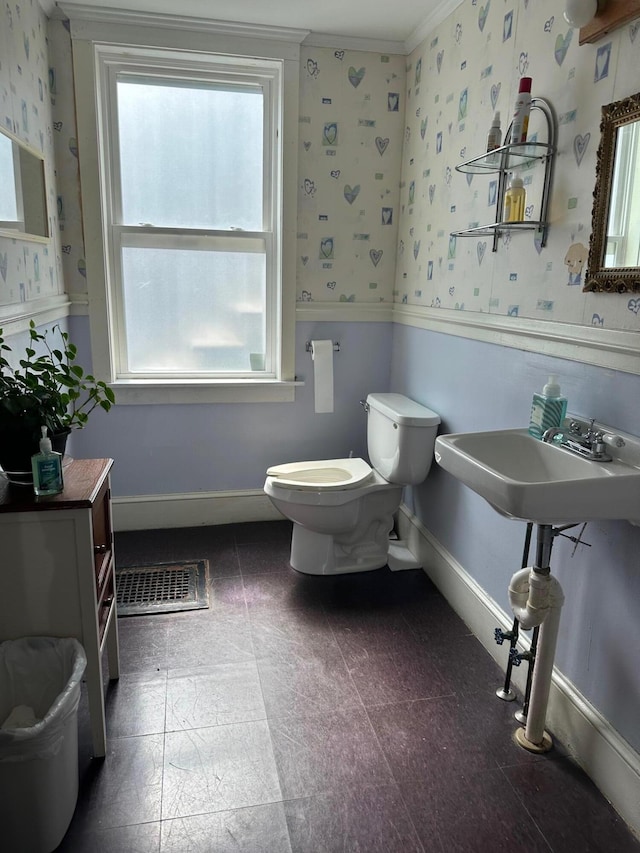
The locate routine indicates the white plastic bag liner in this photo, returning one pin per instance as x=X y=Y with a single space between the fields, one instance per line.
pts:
x=43 y=673
x=39 y=763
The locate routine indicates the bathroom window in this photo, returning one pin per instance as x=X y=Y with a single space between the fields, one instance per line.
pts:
x=191 y=223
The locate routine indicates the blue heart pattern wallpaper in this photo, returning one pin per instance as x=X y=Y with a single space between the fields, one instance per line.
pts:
x=350 y=147
x=380 y=135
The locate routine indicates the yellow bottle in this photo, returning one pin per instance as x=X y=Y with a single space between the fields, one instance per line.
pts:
x=514 y=201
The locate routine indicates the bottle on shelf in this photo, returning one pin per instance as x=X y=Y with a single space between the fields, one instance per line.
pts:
x=520 y=123
x=494 y=137
x=514 y=201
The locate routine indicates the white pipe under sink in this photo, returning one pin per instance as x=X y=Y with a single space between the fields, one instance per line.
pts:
x=536 y=599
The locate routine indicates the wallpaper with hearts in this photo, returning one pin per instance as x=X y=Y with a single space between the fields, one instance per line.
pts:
x=66 y=153
x=468 y=68
x=28 y=270
x=350 y=147
x=379 y=139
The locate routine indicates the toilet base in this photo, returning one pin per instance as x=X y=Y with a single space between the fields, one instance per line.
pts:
x=400 y=558
x=320 y=554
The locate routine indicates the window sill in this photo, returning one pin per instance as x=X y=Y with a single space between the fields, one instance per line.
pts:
x=150 y=392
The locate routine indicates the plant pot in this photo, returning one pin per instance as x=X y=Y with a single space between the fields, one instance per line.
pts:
x=16 y=450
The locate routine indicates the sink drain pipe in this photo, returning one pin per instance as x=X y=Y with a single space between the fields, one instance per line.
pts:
x=505 y=692
x=536 y=599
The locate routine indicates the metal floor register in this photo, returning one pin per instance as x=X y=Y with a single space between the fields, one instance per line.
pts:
x=162 y=588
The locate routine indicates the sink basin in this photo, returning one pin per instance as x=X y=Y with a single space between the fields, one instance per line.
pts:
x=524 y=478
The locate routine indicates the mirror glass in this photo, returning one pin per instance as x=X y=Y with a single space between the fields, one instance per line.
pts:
x=23 y=200
x=614 y=252
x=623 y=228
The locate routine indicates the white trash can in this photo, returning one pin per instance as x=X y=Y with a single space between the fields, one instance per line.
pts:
x=39 y=694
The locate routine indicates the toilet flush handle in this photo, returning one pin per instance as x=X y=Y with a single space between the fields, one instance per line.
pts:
x=364 y=405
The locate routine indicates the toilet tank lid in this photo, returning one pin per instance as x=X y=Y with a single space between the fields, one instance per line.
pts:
x=402 y=410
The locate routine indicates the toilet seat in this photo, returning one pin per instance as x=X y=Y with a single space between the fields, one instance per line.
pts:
x=326 y=498
x=321 y=475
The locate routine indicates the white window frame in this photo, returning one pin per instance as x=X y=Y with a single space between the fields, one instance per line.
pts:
x=146 y=64
x=276 y=64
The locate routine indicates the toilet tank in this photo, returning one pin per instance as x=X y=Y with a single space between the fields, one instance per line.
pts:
x=401 y=435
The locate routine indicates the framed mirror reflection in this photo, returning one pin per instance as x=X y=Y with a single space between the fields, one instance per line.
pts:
x=614 y=251
x=23 y=199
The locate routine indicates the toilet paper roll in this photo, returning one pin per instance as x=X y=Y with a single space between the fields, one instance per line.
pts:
x=322 y=355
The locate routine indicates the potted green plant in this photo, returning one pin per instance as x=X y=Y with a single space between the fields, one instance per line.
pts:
x=49 y=389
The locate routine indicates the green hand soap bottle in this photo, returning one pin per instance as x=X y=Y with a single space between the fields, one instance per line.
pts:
x=47 y=468
x=548 y=409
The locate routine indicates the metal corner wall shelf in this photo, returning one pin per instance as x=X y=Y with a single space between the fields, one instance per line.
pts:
x=510 y=158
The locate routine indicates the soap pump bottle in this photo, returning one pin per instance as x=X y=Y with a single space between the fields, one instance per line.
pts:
x=548 y=409
x=514 y=201
x=47 y=468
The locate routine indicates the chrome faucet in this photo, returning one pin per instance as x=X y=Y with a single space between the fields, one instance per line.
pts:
x=591 y=444
x=551 y=433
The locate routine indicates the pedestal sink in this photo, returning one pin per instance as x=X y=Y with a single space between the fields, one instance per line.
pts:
x=524 y=478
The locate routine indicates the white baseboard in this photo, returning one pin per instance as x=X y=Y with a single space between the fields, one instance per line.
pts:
x=597 y=747
x=154 y=512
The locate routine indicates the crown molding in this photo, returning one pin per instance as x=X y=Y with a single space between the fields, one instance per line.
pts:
x=129 y=17
x=368 y=45
x=429 y=24
x=85 y=12
x=419 y=34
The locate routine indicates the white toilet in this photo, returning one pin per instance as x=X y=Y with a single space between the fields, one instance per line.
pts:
x=342 y=509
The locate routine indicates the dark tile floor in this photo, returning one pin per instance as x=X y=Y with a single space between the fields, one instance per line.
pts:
x=316 y=715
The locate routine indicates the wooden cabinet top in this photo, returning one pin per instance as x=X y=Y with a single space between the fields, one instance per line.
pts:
x=83 y=479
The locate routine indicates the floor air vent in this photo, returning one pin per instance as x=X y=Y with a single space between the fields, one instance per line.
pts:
x=162 y=588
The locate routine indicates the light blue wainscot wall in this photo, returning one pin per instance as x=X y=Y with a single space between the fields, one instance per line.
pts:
x=186 y=449
x=478 y=386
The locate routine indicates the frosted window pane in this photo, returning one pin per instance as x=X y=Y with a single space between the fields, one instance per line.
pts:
x=8 y=209
x=191 y=157
x=192 y=312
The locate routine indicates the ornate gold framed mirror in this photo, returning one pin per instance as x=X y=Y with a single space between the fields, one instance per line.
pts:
x=614 y=250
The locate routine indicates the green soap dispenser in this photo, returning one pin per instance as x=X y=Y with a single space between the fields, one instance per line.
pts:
x=548 y=409
x=47 y=468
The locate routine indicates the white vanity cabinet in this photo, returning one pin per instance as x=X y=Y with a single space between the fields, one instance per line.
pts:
x=57 y=572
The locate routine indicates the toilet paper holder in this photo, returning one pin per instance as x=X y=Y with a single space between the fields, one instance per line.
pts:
x=336 y=346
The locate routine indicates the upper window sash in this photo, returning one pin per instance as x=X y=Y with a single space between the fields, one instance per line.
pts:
x=175 y=66
x=217 y=73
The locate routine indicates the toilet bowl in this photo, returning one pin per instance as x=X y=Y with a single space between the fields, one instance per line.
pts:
x=338 y=530
x=342 y=509
x=326 y=474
